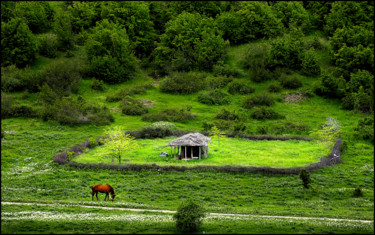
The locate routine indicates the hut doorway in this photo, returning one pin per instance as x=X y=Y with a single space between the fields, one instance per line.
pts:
x=190 y=151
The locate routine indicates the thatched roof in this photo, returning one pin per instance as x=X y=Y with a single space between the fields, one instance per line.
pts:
x=191 y=139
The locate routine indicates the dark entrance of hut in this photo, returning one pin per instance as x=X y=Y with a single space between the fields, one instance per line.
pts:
x=190 y=151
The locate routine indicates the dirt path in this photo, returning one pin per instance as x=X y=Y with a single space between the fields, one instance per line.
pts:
x=168 y=211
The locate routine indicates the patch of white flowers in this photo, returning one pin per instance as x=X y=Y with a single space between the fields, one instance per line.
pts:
x=164 y=125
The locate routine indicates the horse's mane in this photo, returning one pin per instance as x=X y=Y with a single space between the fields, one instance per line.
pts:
x=111 y=189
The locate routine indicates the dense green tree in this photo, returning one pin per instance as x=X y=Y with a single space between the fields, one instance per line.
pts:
x=190 y=42
x=63 y=30
x=18 y=44
x=310 y=65
x=288 y=51
x=292 y=13
x=109 y=53
x=230 y=24
x=330 y=86
x=352 y=36
x=351 y=59
x=36 y=15
x=204 y=8
x=160 y=14
x=349 y=13
x=135 y=18
x=7 y=9
x=83 y=15
x=258 y=20
x=318 y=10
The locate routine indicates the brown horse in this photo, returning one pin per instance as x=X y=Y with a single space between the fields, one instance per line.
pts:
x=103 y=189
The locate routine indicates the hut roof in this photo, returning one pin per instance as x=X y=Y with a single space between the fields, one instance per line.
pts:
x=191 y=139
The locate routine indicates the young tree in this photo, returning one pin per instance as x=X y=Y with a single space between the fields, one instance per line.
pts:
x=118 y=143
x=216 y=133
x=63 y=30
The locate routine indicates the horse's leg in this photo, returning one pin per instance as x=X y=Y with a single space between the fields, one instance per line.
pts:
x=106 y=195
x=97 y=196
x=92 y=198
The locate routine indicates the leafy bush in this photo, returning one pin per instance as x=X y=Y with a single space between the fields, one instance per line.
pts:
x=215 y=97
x=227 y=115
x=11 y=108
x=274 y=88
x=15 y=79
x=183 y=83
x=170 y=115
x=363 y=102
x=189 y=217
x=217 y=82
x=330 y=86
x=310 y=65
x=365 y=129
x=97 y=85
x=257 y=61
x=63 y=76
x=261 y=113
x=240 y=87
x=287 y=51
x=221 y=69
x=258 y=100
x=63 y=30
x=262 y=130
x=48 y=46
x=130 y=106
x=290 y=82
x=156 y=130
x=292 y=14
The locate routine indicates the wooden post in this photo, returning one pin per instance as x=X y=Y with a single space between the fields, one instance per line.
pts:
x=171 y=150
x=174 y=151
x=199 y=152
x=191 y=151
x=185 y=153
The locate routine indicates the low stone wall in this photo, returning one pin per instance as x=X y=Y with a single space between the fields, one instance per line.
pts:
x=333 y=158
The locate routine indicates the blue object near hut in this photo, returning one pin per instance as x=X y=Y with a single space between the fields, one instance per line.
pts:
x=163 y=154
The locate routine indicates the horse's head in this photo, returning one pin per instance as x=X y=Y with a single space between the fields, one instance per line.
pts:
x=113 y=196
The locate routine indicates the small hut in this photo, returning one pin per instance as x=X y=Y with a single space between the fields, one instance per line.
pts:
x=190 y=146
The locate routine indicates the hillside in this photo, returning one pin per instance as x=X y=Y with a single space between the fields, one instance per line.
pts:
x=157 y=70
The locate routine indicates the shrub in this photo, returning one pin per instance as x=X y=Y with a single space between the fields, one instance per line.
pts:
x=358 y=192
x=227 y=115
x=258 y=100
x=363 y=102
x=257 y=61
x=347 y=102
x=217 y=82
x=171 y=115
x=189 y=217
x=305 y=177
x=11 y=108
x=240 y=87
x=97 y=85
x=183 y=83
x=156 y=130
x=215 y=97
x=62 y=76
x=274 y=88
x=239 y=127
x=289 y=127
x=207 y=126
x=330 y=86
x=221 y=69
x=365 y=129
x=290 y=82
x=130 y=106
x=262 y=113
x=310 y=65
x=48 y=46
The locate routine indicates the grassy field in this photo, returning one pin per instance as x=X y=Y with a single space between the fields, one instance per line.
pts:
x=29 y=175
x=230 y=151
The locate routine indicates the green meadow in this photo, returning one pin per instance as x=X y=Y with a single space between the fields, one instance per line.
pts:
x=223 y=151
